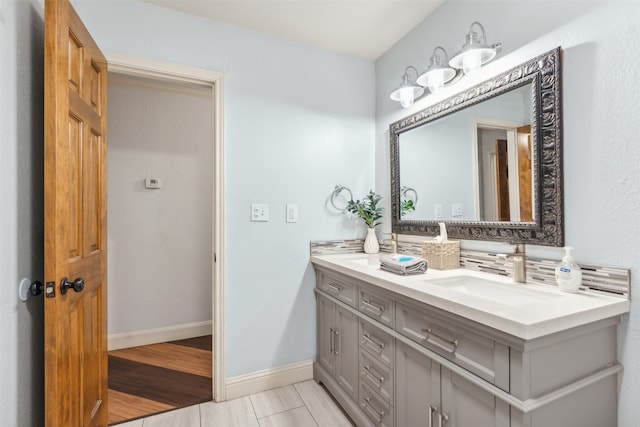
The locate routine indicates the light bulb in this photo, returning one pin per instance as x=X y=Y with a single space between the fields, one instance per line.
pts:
x=472 y=61
x=435 y=80
x=406 y=97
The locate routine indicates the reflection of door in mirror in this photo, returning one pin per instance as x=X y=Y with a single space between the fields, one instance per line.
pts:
x=503 y=151
x=502 y=180
x=525 y=179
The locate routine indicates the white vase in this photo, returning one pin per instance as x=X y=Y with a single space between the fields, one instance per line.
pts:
x=371 y=245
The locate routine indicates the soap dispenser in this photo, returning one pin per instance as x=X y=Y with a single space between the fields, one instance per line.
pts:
x=568 y=273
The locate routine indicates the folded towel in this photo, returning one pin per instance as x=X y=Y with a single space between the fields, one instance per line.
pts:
x=403 y=264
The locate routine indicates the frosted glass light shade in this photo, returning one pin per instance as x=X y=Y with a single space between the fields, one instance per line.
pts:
x=437 y=75
x=406 y=95
x=475 y=52
x=436 y=79
x=408 y=91
x=473 y=58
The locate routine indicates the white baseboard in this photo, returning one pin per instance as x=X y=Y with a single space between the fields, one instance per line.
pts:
x=154 y=336
x=269 y=378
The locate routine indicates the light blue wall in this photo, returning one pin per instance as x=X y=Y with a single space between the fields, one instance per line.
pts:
x=601 y=152
x=298 y=121
x=21 y=211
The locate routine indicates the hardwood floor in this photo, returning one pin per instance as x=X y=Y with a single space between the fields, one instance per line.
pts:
x=157 y=378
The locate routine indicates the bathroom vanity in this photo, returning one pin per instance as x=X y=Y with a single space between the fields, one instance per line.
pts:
x=463 y=348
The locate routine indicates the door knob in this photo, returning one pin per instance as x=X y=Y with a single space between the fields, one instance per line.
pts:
x=77 y=285
x=27 y=288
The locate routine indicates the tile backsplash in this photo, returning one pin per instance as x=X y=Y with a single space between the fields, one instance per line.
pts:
x=613 y=281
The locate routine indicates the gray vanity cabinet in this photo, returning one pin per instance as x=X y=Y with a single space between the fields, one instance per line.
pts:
x=391 y=361
x=417 y=387
x=465 y=404
x=429 y=394
x=451 y=338
x=337 y=333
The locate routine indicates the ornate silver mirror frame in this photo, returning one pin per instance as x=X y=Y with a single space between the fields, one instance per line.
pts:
x=544 y=74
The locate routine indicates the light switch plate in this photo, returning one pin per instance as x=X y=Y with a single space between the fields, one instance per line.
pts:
x=259 y=212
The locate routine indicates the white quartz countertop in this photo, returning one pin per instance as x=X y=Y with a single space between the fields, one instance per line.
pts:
x=546 y=311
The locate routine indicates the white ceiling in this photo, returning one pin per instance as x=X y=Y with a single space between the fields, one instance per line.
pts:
x=362 y=28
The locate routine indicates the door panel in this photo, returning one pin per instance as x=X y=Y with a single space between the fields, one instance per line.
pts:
x=417 y=387
x=326 y=328
x=347 y=351
x=467 y=405
x=524 y=173
x=502 y=180
x=75 y=221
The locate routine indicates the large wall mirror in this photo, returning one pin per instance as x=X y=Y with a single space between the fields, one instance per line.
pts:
x=487 y=161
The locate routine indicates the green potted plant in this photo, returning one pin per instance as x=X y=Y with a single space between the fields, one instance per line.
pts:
x=407 y=206
x=370 y=213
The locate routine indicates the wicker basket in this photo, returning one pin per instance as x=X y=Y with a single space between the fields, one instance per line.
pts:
x=442 y=256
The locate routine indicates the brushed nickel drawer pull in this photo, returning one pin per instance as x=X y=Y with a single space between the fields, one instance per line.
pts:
x=376 y=309
x=334 y=288
x=443 y=420
x=331 y=341
x=379 y=379
x=366 y=404
x=368 y=339
x=337 y=344
x=432 y=410
x=437 y=340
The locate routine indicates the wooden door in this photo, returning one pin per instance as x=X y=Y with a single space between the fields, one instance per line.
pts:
x=502 y=180
x=75 y=222
x=525 y=175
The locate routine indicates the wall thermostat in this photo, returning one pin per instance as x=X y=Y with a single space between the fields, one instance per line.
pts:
x=153 y=183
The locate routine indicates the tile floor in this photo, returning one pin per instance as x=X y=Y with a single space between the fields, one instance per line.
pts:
x=304 y=404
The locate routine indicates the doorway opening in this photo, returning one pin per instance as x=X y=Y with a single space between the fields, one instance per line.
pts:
x=165 y=215
x=505 y=179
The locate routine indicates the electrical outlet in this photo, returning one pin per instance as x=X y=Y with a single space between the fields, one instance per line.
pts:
x=456 y=209
x=259 y=212
x=292 y=213
x=437 y=211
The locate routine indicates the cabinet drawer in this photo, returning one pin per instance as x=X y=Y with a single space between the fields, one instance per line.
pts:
x=377 y=342
x=339 y=288
x=479 y=354
x=376 y=409
x=377 y=306
x=377 y=376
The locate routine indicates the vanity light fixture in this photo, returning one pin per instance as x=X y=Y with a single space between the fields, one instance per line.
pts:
x=408 y=91
x=437 y=74
x=475 y=52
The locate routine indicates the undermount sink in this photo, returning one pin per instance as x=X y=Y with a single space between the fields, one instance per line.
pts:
x=372 y=260
x=511 y=294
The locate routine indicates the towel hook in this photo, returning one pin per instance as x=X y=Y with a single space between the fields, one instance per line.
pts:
x=404 y=190
x=338 y=189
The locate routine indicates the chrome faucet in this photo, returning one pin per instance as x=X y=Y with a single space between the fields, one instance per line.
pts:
x=394 y=243
x=519 y=263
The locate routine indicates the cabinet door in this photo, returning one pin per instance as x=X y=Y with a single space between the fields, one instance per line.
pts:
x=346 y=342
x=326 y=334
x=464 y=404
x=417 y=388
